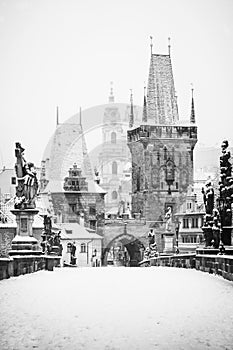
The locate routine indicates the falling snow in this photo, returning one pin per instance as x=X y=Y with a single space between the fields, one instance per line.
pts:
x=116 y=308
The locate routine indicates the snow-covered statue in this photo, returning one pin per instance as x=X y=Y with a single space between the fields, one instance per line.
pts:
x=151 y=251
x=27 y=187
x=168 y=219
x=208 y=197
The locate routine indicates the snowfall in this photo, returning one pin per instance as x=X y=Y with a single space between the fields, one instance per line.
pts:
x=113 y=308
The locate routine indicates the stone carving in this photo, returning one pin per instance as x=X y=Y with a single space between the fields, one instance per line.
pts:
x=168 y=219
x=51 y=241
x=212 y=226
x=217 y=223
x=151 y=250
x=27 y=187
x=208 y=197
x=225 y=198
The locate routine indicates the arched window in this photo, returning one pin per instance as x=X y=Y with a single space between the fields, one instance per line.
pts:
x=113 y=137
x=114 y=167
x=114 y=195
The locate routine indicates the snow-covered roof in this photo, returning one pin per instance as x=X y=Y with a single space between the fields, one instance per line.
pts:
x=76 y=231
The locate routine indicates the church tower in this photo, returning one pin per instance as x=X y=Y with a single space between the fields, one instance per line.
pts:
x=161 y=147
x=114 y=156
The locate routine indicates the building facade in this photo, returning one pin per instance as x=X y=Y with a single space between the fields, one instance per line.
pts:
x=189 y=220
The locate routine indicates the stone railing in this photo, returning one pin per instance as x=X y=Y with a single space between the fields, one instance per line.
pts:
x=20 y=265
x=217 y=264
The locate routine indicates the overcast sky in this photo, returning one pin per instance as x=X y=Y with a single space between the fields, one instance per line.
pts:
x=66 y=52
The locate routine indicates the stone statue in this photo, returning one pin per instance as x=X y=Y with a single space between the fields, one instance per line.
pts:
x=51 y=241
x=72 y=257
x=151 y=251
x=168 y=219
x=27 y=187
x=208 y=197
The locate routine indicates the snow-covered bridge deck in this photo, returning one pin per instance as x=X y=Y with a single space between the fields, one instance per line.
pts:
x=116 y=308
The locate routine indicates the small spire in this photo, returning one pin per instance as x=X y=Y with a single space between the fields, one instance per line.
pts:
x=131 y=116
x=111 y=96
x=57 y=116
x=144 y=115
x=169 y=47
x=192 y=117
x=80 y=116
x=151 y=45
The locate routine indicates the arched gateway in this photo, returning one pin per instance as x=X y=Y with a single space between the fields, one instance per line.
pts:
x=124 y=243
x=124 y=250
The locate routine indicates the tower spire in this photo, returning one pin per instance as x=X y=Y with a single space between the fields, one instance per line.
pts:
x=111 y=96
x=192 y=117
x=144 y=116
x=131 y=116
x=169 y=47
x=57 y=121
x=151 y=45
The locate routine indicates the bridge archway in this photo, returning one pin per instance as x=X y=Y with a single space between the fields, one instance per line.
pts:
x=123 y=250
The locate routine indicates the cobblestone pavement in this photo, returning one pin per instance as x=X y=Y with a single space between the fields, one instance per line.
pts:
x=116 y=308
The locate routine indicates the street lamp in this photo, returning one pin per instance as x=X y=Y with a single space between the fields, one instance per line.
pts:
x=177 y=229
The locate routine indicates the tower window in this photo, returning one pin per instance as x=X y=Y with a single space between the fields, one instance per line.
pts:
x=113 y=137
x=13 y=180
x=114 y=168
x=189 y=205
x=72 y=208
x=114 y=195
x=92 y=209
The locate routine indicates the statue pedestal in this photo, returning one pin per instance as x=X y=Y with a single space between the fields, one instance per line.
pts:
x=24 y=243
x=168 y=242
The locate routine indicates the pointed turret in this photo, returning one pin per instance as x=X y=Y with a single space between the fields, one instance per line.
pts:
x=192 y=116
x=144 y=115
x=151 y=45
x=111 y=96
x=131 y=116
x=169 y=47
x=57 y=121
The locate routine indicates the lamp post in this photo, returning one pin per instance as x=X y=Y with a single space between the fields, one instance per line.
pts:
x=177 y=229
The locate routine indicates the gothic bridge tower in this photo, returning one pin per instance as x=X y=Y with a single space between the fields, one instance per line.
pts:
x=162 y=146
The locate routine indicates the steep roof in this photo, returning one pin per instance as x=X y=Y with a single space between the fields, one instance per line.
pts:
x=68 y=145
x=161 y=99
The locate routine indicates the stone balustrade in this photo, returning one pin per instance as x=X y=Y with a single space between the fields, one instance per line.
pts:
x=20 y=265
x=217 y=264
